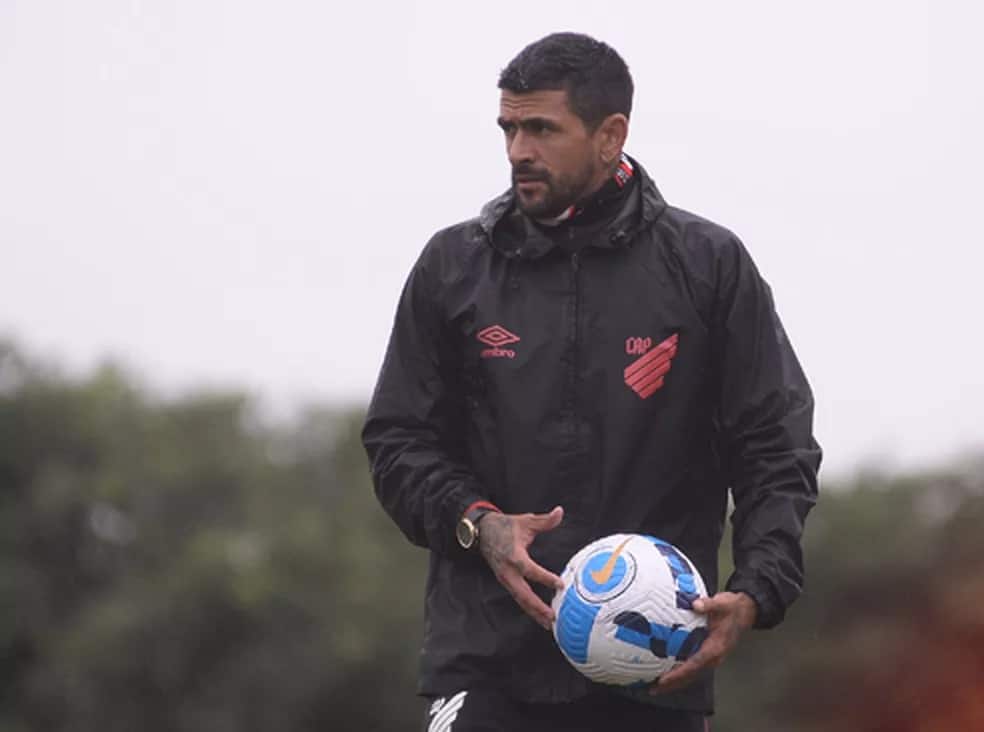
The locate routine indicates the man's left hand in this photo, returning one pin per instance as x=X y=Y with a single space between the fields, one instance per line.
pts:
x=729 y=614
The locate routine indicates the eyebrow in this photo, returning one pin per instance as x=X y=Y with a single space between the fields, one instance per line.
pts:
x=528 y=122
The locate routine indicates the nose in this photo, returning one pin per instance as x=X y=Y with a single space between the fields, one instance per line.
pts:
x=520 y=149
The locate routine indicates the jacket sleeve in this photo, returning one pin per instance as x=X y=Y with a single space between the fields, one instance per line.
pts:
x=413 y=432
x=765 y=423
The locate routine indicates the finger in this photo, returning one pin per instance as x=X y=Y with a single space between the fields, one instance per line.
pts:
x=688 y=671
x=529 y=602
x=681 y=676
x=665 y=687
x=535 y=573
x=538 y=522
x=708 y=605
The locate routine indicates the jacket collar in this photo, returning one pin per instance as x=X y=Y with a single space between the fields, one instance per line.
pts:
x=512 y=233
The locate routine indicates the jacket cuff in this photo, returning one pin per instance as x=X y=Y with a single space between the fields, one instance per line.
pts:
x=770 y=611
x=459 y=502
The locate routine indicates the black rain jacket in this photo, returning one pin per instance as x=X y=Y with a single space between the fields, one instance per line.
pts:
x=634 y=383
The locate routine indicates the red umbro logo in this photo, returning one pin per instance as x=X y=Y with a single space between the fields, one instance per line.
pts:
x=645 y=375
x=497 y=337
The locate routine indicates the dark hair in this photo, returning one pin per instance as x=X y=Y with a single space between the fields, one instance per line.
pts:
x=595 y=77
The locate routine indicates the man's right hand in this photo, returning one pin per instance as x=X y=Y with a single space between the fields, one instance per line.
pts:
x=503 y=539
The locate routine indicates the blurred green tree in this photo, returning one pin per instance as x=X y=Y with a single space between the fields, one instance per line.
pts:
x=185 y=564
x=178 y=565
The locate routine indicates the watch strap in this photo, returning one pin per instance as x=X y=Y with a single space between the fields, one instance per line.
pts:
x=478 y=509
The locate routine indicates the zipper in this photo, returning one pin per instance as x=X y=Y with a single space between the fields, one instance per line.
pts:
x=575 y=269
x=574 y=504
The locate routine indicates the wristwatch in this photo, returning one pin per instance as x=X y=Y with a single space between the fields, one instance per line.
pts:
x=467 y=529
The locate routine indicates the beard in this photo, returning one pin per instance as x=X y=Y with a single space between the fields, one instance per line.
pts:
x=554 y=193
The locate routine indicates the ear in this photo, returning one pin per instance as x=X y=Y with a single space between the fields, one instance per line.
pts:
x=611 y=135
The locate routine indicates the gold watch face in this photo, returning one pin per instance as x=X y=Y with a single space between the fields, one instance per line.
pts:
x=466 y=533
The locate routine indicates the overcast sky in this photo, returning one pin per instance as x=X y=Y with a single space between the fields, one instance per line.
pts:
x=231 y=193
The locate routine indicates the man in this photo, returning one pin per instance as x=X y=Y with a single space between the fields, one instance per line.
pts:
x=583 y=359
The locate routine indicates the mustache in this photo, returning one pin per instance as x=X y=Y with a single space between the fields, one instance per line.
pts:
x=528 y=173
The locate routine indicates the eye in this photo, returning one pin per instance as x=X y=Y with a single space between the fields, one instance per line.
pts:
x=508 y=128
x=537 y=127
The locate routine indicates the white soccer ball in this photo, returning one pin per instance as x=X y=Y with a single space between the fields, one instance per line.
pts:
x=625 y=614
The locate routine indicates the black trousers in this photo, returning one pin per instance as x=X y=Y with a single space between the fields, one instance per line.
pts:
x=485 y=710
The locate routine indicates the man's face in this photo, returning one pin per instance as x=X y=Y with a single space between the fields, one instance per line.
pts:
x=553 y=155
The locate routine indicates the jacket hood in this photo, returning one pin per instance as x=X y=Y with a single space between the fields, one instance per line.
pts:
x=637 y=214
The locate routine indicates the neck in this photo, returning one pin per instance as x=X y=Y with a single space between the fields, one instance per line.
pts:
x=606 y=187
x=603 y=175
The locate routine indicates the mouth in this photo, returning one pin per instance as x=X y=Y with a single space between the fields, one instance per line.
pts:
x=526 y=183
x=528 y=177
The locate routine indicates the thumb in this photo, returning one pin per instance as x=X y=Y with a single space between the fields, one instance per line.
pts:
x=547 y=521
x=704 y=605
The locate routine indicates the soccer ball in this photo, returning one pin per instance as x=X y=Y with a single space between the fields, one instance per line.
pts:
x=625 y=615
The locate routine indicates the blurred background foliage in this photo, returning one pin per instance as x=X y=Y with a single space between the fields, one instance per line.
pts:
x=185 y=564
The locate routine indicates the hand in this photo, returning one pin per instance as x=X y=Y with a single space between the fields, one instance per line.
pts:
x=729 y=614
x=503 y=540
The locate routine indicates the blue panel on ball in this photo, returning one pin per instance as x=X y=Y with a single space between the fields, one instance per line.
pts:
x=686 y=585
x=574 y=623
x=675 y=640
x=657 y=542
x=665 y=641
x=686 y=582
x=633 y=637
